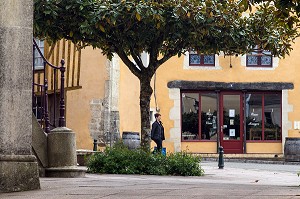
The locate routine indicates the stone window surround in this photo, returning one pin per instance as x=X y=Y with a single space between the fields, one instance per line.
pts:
x=275 y=63
x=187 y=66
x=174 y=114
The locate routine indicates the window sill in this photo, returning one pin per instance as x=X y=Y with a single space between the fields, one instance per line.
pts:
x=263 y=141
x=198 y=140
x=199 y=67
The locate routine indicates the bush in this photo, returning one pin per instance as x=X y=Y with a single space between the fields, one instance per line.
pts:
x=120 y=160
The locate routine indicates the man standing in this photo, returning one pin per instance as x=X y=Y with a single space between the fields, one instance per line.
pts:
x=157 y=132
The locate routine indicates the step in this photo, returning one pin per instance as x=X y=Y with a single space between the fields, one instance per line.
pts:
x=66 y=172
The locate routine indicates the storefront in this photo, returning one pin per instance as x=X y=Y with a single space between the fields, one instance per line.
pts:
x=232 y=115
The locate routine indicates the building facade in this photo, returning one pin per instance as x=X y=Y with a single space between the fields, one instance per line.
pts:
x=246 y=103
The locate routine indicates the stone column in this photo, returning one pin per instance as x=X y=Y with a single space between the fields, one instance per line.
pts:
x=18 y=167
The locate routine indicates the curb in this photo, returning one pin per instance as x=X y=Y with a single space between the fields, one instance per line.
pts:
x=257 y=161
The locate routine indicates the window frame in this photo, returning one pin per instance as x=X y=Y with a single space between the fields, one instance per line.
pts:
x=263 y=117
x=260 y=55
x=37 y=56
x=201 y=59
x=199 y=115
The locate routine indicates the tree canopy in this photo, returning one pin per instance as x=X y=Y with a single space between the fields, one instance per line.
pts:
x=165 y=28
x=285 y=7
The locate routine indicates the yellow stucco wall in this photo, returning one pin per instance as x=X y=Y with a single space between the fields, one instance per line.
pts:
x=264 y=147
x=92 y=80
x=292 y=64
x=199 y=147
x=129 y=101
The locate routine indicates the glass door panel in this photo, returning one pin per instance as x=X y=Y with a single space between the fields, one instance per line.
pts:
x=231 y=117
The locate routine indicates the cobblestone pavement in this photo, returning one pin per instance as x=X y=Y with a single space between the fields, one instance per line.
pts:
x=236 y=180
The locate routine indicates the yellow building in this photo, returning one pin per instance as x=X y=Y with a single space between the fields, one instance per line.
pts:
x=247 y=104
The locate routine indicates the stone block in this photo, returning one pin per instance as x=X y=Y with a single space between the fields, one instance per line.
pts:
x=18 y=17
x=174 y=93
x=18 y=173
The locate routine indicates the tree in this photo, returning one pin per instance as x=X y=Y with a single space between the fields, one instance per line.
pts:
x=162 y=28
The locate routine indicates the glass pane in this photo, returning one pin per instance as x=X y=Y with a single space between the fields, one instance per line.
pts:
x=38 y=61
x=209 y=116
x=231 y=117
x=195 y=59
x=190 y=116
x=209 y=59
x=272 y=117
x=252 y=60
x=254 y=116
x=266 y=60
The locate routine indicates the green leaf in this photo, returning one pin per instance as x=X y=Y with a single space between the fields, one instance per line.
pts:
x=138 y=16
x=102 y=28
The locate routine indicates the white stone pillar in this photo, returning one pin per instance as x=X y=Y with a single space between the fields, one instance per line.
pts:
x=286 y=123
x=175 y=132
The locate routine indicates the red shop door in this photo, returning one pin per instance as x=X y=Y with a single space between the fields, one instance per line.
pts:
x=231 y=121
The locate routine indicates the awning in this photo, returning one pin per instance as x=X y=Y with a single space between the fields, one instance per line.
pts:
x=209 y=85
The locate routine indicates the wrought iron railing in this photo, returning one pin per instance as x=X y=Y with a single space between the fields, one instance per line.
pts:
x=40 y=98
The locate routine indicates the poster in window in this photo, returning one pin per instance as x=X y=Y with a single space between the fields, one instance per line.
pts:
x=231 y=112
x=231 y=132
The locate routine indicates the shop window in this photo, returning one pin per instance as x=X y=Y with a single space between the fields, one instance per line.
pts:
x=259 y=58
x=208 y=116
x=199 y=116
x=263 y=116
x=196 y=59
x=272 y=117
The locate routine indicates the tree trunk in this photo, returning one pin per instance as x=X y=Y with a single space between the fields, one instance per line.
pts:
x=145 y=95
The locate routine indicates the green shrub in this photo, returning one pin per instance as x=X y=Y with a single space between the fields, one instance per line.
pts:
x=184 y=164
x=120 y=160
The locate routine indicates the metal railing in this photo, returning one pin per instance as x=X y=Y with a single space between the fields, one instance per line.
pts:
x=40 y=98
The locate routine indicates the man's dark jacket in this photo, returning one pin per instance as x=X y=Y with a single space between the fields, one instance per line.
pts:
x=157 y=131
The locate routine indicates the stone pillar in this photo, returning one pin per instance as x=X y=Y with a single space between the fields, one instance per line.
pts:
x=110 y=102
x=18 y=167
x=96 y=124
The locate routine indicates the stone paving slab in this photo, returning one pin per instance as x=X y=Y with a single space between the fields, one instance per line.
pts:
x=234 y=181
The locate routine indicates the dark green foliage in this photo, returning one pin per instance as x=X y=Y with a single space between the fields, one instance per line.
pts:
x=120 y=160
x=184 y=164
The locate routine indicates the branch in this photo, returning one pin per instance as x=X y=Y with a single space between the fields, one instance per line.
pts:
x=132 y=67
x=180 y=44
x=170 y=53
x=154 y=53
x=137 y=59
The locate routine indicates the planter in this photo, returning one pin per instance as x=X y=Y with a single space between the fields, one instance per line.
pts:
x=292 y=149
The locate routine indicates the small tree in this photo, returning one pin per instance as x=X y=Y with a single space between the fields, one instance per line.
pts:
x=162 y=28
